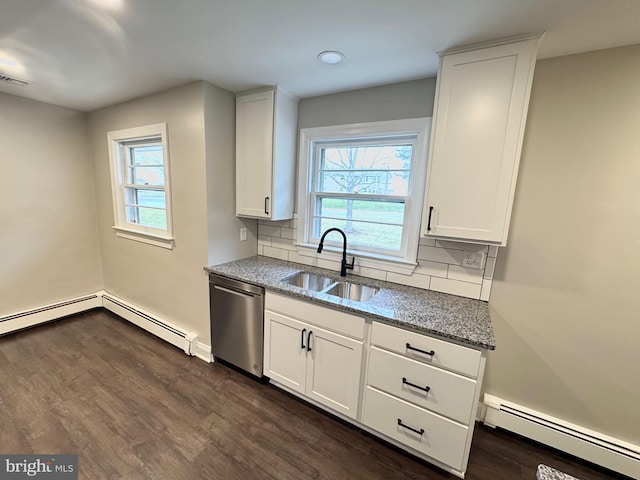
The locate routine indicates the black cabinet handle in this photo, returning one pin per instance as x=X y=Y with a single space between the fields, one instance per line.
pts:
x=429 y=221
x=415 y=430
x=309 y=341
x=431 y=353
x=424 y=389
x=302 y=337
x=266 y=205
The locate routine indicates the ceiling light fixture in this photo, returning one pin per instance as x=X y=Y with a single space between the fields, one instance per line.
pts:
x=330 y=57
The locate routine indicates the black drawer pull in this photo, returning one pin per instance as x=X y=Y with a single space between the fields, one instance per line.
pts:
x=431 y=353
x=415 y=430
x=424 y=389
x=429 y=221
x=302 y=337
x=309 y=341
x=266 y=203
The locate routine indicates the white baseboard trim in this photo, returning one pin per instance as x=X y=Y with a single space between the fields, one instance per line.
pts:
x=35 y=316
x=595 y=447
x=159 y=327
x=202 y=351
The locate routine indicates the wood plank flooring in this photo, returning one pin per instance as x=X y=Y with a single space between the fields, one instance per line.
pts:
x=134 y=407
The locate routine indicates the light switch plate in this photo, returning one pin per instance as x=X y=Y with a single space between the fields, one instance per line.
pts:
x=473 y=260
x=243 y=234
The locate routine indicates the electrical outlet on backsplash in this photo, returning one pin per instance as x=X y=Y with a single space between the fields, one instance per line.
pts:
x=457 y=268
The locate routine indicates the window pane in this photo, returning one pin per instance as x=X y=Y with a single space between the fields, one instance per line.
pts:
x=373 y=169
x=367 y=210
x=146 y=155
x=146 y=176
x=152 y=198
x=388 y=237
x=147 y=217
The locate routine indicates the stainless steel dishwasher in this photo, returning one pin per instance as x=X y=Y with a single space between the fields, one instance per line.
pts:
x=237 y=328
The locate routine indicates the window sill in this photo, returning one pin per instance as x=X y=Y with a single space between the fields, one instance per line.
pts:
x=362 y=259
x=145 y=237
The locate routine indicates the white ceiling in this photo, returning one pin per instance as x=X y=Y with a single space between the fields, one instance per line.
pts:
x=86 y=54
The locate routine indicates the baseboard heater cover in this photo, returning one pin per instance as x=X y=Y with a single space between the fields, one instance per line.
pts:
x=183 y=339
x=595 y=447
x=47 y=313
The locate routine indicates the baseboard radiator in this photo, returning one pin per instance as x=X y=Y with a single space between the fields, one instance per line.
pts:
x=177 y=336
x=595 y=447
x=47 y=313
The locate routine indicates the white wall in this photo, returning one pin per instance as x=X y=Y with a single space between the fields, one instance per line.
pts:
x=168 y=283
x=565 y=302
x=222 y=223
x=49 y=249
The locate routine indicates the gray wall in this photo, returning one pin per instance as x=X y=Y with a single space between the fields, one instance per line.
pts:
x=49 y=246
x=389 y=102
x=565 y=301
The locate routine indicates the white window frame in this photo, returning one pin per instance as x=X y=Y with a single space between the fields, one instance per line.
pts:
x=309 y=137
x=117 y=160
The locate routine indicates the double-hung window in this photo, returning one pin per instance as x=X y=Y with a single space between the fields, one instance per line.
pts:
x=140 y=181
x=367 y=180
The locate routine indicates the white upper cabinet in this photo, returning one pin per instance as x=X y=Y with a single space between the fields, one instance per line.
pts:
x=482 y=96
x=266 y=124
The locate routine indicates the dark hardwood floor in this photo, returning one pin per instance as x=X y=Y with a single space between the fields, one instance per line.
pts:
x=133 y=407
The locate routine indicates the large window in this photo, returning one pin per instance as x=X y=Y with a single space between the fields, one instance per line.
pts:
x=368 y=181
x=140 y=180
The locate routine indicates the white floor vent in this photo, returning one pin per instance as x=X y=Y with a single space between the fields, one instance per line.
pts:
x=595 y=447
x=47 y=313
x=161 y=328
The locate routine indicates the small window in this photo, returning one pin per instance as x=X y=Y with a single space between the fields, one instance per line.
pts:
x=140 y=181
x=368 y=181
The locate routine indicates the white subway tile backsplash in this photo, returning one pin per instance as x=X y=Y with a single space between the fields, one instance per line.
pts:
x=296 y=257
x=269 y=230
x=455 y=287
x=427 y=242
x=464 y=274
x=275 y=253
x=286 y=232
x=439 y=262
x=433 y=269
x=441 y=255
x=284 y=243
x=467 y=247
x=264 y=240
x=415 y=280
x=485 y=292
x=328 y=264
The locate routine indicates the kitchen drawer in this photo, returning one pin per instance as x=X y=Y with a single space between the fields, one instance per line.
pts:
x=449 y=394
x=445 y=354
x=336 y=320
x=441 y=439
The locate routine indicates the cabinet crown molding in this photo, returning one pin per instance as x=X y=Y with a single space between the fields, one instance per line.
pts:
x=492 y=43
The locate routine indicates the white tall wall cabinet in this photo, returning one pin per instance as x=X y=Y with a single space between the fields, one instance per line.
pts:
x=266 y=124
x=482 y=97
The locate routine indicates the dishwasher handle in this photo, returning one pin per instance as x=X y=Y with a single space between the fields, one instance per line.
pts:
x=235 y=292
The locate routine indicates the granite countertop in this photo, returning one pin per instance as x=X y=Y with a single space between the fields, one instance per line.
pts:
x=457 y=318
x=548 y=473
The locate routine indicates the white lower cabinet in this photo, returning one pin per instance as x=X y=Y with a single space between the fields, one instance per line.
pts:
x=323 y=365
x=416 y=395
x=415 y=391
x=430 y=434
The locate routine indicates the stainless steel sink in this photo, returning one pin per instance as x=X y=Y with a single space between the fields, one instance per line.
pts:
x=352 y=291
x=309 y=281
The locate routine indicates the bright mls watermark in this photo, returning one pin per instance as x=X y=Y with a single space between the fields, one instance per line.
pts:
x=50 y=467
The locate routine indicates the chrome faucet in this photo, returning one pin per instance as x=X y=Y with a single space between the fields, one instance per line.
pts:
x=344 y=266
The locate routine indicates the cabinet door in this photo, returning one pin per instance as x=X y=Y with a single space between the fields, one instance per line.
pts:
x=333 y=371
x=254 y=154
x=480 y=114
x=285 y=354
